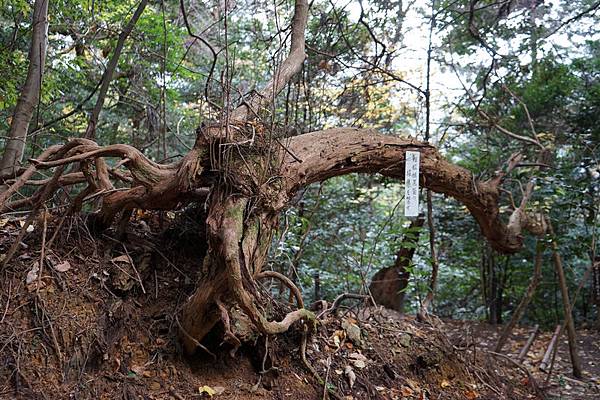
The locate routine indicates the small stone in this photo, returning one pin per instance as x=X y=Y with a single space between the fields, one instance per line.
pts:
x=405 y=340
x=154 y=385
x=353 y=332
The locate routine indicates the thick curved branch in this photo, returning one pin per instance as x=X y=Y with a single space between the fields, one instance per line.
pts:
x=335 y=152
x=154 y=186
x=290 y=66
x=143 y=170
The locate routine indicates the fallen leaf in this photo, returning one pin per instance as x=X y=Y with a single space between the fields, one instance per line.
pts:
x=350 y=375
x=338 y=337
x=63 y=266
x=471 y=395
x=122 y=258
x=353 y=332
x=358 y=360
x=32 y=275
x=444 y=383
x=219 y=389
x=413 y=384
x=208 y=390
x=406 y=391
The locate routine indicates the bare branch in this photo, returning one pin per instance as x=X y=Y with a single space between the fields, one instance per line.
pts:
x=290 y=66
x=90 y=131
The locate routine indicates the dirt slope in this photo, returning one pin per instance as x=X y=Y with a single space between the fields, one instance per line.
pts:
x=99 y=320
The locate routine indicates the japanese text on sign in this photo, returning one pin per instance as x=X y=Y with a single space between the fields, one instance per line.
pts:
x=411 y=184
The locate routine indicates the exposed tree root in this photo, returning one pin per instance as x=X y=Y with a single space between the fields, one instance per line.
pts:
x=229 y=336
x=286 y=281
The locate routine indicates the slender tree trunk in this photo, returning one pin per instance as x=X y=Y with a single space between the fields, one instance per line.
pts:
x=520 y=310
x=434 y=260
x=90 y=132
x=501 y=286
x=389 y=284
x=30 y=94
x=493 y=288
x=571 y=334
x=596 y=289
x=484 y=280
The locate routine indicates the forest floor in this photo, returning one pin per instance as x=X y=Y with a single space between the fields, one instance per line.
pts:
x=98 y=320
x=562 y=384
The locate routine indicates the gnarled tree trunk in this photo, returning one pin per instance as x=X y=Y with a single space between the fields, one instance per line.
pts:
x=247 y=178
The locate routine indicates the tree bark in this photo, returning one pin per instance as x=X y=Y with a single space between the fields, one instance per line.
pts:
x=30 y=94
x=306 y=159
x=320 y=155
x=389 y=284
x=284 y=73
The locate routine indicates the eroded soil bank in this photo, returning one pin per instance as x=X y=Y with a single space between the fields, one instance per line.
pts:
x=99 y=320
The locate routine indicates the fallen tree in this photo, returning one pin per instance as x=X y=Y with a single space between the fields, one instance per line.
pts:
x=247 y=176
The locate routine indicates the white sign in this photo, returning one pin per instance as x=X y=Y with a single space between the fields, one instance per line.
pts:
x=411 y=184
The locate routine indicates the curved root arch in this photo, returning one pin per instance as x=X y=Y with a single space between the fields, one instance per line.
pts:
x=295 y=292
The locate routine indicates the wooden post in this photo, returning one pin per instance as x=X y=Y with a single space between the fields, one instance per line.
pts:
x=520 y=310
x=530 y=341
x=571 y=334
x=317 y=281
x=550 y=349
x=596 y=288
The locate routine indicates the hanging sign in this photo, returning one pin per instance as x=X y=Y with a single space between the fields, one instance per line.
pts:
x=411 y=184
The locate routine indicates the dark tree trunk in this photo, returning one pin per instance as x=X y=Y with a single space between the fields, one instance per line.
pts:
x=90 y=132
x=389 y=284
x=492 y=287
x=570 y=325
